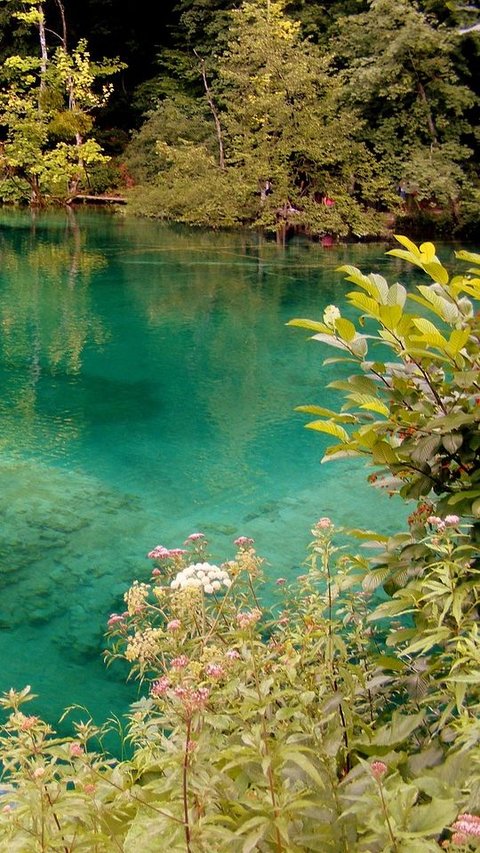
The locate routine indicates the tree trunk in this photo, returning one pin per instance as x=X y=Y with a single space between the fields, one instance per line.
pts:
x=218 y=126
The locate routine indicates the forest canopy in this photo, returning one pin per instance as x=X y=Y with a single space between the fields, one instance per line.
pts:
x=331 y=118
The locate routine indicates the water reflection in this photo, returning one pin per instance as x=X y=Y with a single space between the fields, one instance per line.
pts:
x=46 y=320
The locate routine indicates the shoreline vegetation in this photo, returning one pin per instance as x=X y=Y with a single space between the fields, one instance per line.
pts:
x=266 y=115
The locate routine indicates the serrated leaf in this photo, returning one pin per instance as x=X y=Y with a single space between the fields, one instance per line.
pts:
x=384 y=454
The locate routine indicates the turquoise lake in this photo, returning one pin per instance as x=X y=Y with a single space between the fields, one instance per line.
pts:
x=148 y=391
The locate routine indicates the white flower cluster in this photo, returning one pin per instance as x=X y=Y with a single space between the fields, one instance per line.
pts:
x=211 y=578
x=331 y=314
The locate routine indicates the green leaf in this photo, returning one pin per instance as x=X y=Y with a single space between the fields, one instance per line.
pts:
x=331 y=428
x=301 y=760
x=326 y=413
x=312 y=325
x=345 y=329
x=430 y=333
x=404 y=241
x=397 y=295
x=399 y=729
x=433 y=817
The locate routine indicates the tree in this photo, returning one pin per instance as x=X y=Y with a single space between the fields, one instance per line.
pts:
x=46 y=103
x=281 y=141
x=399 y=70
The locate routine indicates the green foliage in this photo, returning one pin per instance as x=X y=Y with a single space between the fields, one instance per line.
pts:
x=274 y=106
x=287 y=729
x=45 y=112
x=426 y=438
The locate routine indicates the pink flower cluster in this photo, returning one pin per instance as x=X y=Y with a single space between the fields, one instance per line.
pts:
x=160 y=687
x=194 y=537
x=378 y=768
x=243 y=542
x=465 y=826
x=162 y=553
x=442 y=523
x=248 y=618
x=214 y=670
x=324 y=522
x=232 y=654
x=174 y=625
x=179 y=663
x=114 y=619
x=192 y=699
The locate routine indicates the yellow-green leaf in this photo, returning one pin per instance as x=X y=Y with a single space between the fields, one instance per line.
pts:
x=331 y=428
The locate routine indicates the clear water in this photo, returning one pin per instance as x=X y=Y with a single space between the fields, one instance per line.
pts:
x=148 y=387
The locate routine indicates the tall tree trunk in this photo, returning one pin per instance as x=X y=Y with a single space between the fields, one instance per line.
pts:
x=213 y=109
x=43 y=47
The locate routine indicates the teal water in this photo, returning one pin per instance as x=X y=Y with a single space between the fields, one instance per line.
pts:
x=148 y=387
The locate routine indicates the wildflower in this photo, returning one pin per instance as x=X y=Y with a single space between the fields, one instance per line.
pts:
x=177 y=552
x=89 y=788
x=194 y=537
x=452 y=520
x=76 y=750
x=159 y=553
x=174 y=625
x=114 y=619
x=156 y=573
x=243 y=542
x=280 y=581
x=248 y=618
x=192 y=699
x=331 y=314
x=324 y=522
x=437 y=522
x=232 y=654
x=467 y=824
x=160 y=687
x=201 y=575
x=457 y=838
x=27 y=723
x=179 y=663
x=143 y=646
x=39 y=772
x=214 y=670
x=136 y=596
x=378 y=768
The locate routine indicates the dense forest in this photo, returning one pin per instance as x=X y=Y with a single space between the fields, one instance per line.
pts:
x=333 y=118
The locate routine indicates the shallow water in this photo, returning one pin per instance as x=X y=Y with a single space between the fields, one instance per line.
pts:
x=148 y=391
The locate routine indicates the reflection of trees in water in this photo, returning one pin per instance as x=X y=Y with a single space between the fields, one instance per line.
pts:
x=45 y=322
x=227 y=295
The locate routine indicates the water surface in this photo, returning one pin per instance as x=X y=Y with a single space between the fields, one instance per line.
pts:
x=148 y=387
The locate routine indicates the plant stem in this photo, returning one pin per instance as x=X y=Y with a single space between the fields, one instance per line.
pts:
x=387 y=819
x=185 y=785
